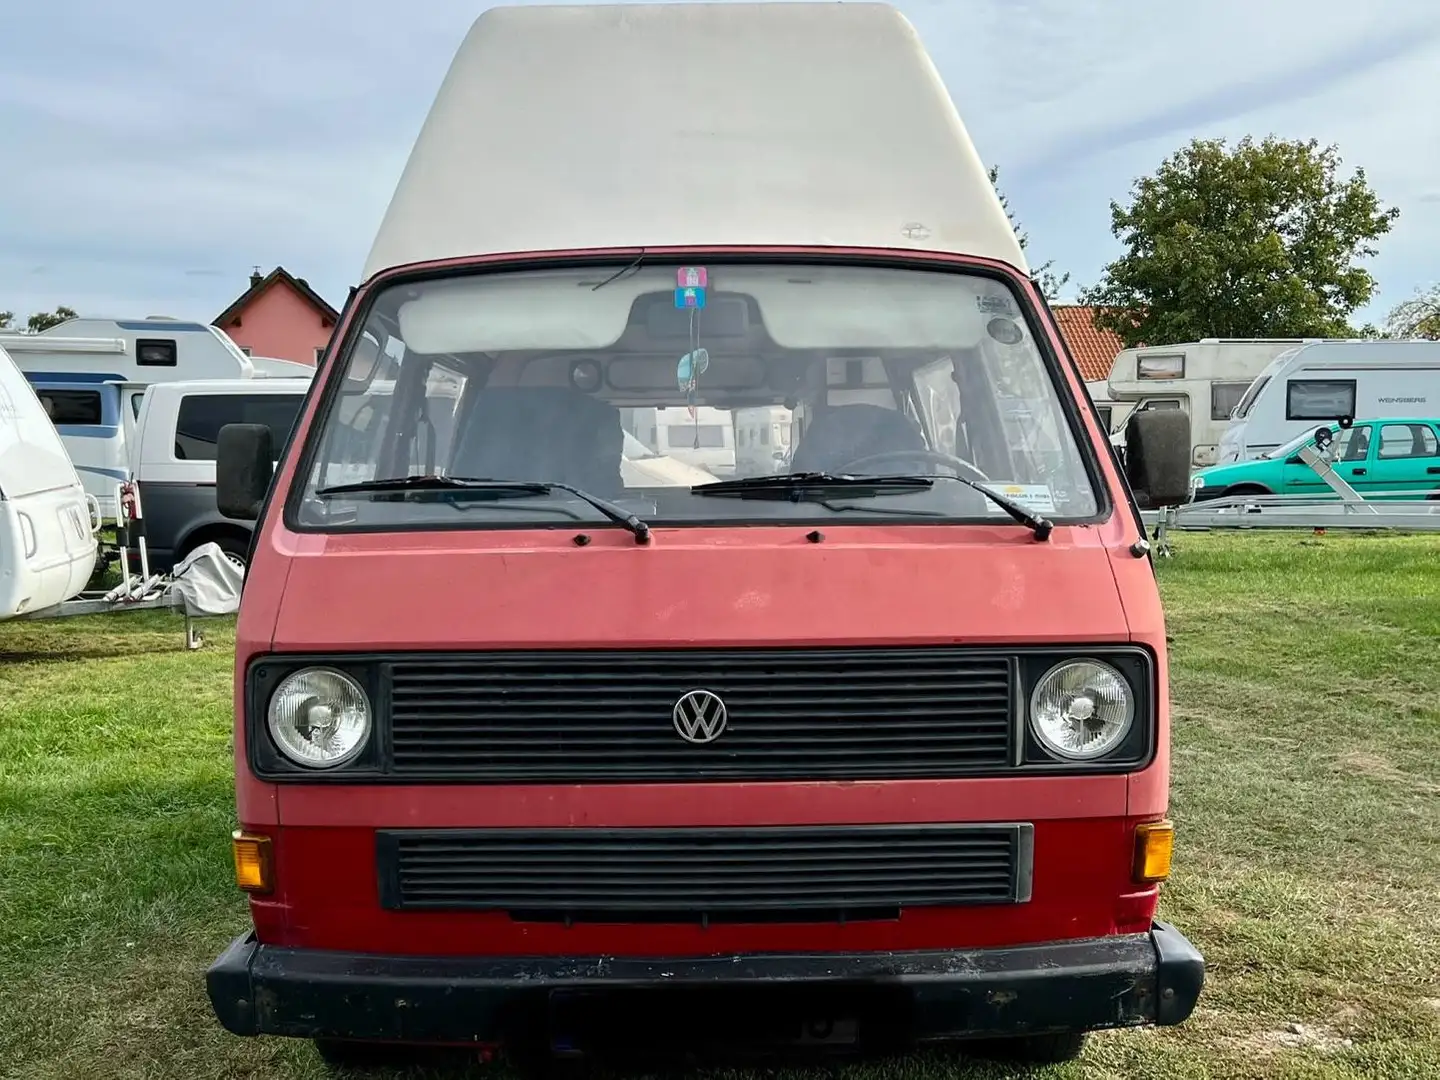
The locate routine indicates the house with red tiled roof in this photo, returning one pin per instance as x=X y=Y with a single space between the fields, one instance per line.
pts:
x=279 y=315
x=1094 y=350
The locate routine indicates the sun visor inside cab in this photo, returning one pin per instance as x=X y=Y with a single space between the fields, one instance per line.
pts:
x=801 y=308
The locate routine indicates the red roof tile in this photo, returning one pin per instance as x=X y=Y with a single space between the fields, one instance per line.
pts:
x=1094 y=350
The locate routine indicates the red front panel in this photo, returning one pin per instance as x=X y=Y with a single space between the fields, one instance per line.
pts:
x=329 y=900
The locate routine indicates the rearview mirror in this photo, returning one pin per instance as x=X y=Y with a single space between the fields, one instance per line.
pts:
x=1323 y=438
x=1157 y=457
x=244 y=466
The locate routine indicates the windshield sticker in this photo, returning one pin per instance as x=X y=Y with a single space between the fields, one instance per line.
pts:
x=1035 y=497
x=995 y=305
x=692 y=277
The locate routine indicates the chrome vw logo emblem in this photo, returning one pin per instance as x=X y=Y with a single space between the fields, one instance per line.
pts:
x=699 y=717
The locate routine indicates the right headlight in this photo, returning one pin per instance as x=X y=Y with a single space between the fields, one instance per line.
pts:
x=319 y=718
x=1081 y=710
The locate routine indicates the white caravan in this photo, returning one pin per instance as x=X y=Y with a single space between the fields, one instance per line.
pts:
x=1112 y=413
x=1205 y=379
x=47 y=526
x=1326 y=381
x=705 y=440
x=762 y=440
x=91 y=374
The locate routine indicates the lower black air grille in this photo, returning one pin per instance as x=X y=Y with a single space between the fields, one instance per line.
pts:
x=569 y=716
x=684 y=875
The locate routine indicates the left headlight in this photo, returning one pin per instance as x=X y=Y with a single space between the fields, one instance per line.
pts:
x=1081 y=710
x=319 y=718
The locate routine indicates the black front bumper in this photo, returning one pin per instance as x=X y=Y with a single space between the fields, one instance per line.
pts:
x=1139 y=979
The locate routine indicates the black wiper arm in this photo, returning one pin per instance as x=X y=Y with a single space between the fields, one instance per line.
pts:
x=480 y=485
x=615 y=513
x=813 y=486
x=1042 y=527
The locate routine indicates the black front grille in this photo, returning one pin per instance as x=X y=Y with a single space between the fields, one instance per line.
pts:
x=905 y=713
x=686 y=875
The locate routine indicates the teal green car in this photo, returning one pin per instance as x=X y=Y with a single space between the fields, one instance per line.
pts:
x=1378 y=458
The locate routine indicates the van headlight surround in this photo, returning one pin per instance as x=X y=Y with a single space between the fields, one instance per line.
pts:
x=1081 y=710
x=320 y=718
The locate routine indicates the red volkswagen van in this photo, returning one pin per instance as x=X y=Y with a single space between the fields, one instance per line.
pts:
x=543 y=735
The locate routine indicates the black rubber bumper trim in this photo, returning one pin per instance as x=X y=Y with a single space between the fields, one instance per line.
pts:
x=1123 y=981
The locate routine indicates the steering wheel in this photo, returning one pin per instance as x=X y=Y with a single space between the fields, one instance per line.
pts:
x=934 y=457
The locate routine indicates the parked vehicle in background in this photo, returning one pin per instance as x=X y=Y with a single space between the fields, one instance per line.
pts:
x=533 y=756
x=1328 y=381
x=705 y=440
x=1389 y=458
x=173 y=460
x=272 y=367
x=1203 y=379
x=1112 y=413
x=91 y=374
x=762 y=440
x=47 y=524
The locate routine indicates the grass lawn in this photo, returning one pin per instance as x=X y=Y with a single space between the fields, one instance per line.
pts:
x=1306 y=683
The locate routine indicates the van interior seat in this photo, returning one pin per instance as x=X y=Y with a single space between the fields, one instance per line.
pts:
x=554 y=434
x=845 y=433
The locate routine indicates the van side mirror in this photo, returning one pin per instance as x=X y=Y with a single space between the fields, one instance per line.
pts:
x=1323 y=438
x=1157 y=457
x=244 y=466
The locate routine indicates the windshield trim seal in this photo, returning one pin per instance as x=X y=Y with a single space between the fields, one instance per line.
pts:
x=363 y=301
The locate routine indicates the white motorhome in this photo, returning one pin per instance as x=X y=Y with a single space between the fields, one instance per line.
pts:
x=272 y=367
x=47 y=527
x=1204 y=379
x=1326 y=381
x=1112 y=412
x=762 y=439
x=91 y=374
x=705 y=440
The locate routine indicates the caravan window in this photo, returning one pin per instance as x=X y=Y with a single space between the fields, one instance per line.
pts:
x=197 y=428
x=156 y=352
x=71 y=406
x=1161 y=366
x=1319 y=399
x=1224 y=397
x=696 y=436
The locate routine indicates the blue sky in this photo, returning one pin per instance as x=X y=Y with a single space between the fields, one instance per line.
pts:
x=156 y=152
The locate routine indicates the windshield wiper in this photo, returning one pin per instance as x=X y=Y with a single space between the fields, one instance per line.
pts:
x=812 y=486
x=484 y=487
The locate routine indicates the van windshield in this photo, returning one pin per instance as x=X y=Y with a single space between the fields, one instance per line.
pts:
x=641 y=385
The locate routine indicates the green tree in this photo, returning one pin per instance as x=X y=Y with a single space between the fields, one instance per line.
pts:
x=6 y=318
x=44 y=320
x=1045 y=278
x=1256 y=241
x=1418 y=317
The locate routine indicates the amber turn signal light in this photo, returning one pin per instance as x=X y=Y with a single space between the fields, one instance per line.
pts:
x=252 y=862
x=1154 y=845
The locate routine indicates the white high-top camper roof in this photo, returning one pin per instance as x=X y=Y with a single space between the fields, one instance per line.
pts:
x=651 y=125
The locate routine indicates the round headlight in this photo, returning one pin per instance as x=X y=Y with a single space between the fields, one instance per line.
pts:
x=1081 y=710
x=319 y=718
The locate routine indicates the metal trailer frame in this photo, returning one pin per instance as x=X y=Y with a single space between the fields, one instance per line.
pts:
x=1408 y=511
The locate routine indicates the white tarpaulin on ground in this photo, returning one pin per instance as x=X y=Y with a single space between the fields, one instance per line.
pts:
x=207 y=582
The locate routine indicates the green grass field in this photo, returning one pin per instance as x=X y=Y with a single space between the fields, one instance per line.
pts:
x=1307 y=797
